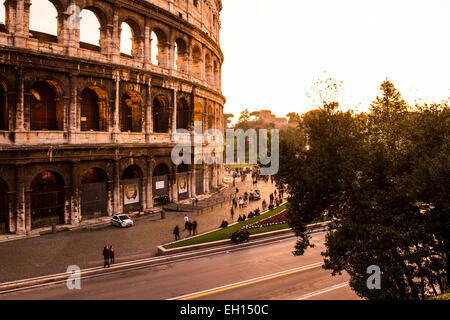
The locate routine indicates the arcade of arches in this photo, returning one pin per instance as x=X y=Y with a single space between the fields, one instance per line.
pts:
x=55 y=197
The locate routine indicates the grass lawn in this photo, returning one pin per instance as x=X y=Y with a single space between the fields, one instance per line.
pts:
x=226 y=233
x=445 y=296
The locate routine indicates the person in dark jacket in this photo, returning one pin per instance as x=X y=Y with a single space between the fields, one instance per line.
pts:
x=111 y=254
x=176 y=232
x=106 y=257
x=194 y=228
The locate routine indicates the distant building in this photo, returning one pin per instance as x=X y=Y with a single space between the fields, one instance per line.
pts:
x=266 y=117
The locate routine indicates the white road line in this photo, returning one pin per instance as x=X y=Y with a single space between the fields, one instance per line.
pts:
x=318 y=293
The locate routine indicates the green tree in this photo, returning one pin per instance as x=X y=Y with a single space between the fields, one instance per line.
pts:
x=384 y=179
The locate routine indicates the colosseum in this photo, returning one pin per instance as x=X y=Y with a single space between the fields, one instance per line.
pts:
x=85 y=129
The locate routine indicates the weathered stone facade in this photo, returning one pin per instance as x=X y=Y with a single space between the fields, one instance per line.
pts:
x=84 y=129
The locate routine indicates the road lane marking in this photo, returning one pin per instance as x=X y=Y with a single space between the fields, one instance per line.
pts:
x=318 y=293
x=247 y=282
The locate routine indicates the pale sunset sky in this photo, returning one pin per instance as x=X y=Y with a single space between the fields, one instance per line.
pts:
x=275 y=48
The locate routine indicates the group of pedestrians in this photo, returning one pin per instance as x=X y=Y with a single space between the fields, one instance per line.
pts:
x=108 y=256
x=189 y=225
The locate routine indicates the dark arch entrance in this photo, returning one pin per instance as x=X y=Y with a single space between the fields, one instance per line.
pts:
x=130 y=112
x=46 y=109
x=3 y=107
x=47 y=200
x=161 y=189
x=199 y=177
x=94 y=194
x=4 y=207
x=184 y=114
x=90 y=116
x=161 y=114
x=132 y=189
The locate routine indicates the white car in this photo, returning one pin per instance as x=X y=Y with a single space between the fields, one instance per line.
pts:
x=121 y=220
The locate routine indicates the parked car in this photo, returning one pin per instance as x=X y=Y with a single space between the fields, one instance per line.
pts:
x=121 y=220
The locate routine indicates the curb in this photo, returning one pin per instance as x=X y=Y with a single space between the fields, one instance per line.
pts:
x=279 y=233
x=165 y=257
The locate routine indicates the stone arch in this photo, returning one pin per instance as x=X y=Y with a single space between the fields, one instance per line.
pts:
x=89 y=40
x=45 y=11
x=47 y=198
x=4 y=207
x=132 y=46
x=161 y=114
x=93 y=109
x=4 y=110
x=184 y=114
x=210 y=116
x=131 y=181
x=47 y=106
x=197 y=61
x=94 y=193
x=131 y=112
x=198 y=112
x=159 y=47
x=208 y=68
x=161 y=189
x=181 y=55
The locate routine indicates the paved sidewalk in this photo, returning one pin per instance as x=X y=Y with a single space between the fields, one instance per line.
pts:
x=53 y=253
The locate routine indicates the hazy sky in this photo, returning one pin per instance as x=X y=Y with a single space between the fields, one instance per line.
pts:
x=275 y=48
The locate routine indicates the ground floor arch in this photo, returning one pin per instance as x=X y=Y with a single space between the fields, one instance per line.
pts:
x=131 y=182
x=47 y=197
x=94 y=194
x=161 y=189
x=4 y=207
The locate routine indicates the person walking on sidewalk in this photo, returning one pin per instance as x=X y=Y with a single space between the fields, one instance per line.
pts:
x=232 y=213
x=106 y=257
x=111 y=254
x=186 y=221
x=176 y=232
x=196 y=202
x=194 y=228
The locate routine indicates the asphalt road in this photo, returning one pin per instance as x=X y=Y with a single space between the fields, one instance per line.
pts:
x=257 y=273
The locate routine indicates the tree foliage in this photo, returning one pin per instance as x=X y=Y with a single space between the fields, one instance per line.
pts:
x=383 y=178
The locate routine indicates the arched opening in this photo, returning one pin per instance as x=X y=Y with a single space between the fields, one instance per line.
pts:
x=198 y=112
x=197 y=62
x=159 y=50
x=93 y=109
x=4 y=118
x=181 y=57
x=43 y=21
x=126 y=39
x=4 y=207
x=161 y=185
x=47 y=109
x=47 y=200
x=94 y=194
x=183 y=181
x=199 y=177
x=130 y=112
x=161 y=114
x=184 y=114
x=210 y=117
x=132 y=189
x=208 y=69
x=89 y=30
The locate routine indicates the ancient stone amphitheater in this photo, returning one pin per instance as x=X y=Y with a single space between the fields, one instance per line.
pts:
x=85 y=130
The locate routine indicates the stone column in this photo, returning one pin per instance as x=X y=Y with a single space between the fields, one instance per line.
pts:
x=19 y=32
x=149 y=183
x=10 y=16
x=116 y=191
x=75 y=201
x=72 y=112
x=115 y=37
x=20 y=200
x=147 y=45
x=174 y=113
x=20 y=101
x=148 y=113
x=107 y=41
x=175 y=184
x=116 y=116
x=73 y=30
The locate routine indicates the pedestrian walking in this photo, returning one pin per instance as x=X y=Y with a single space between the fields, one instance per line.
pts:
x=176 y=233
x=232 y=213
x=189 y=226
x=196 y=203
x=106 y=257
x=111 y=254
x=186 y=221
x=271 y=198
x=264 y=205
x=194 y=228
